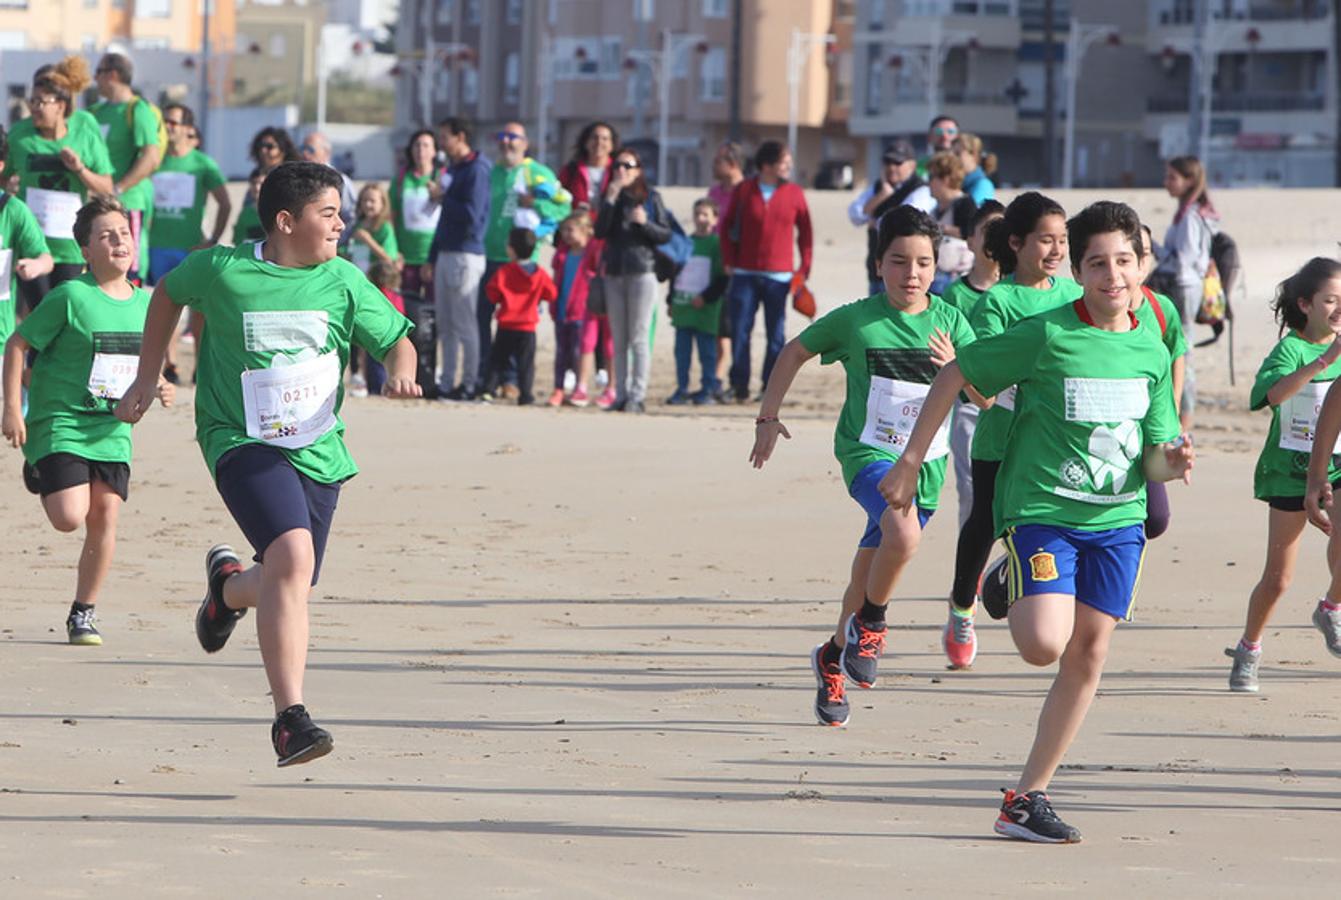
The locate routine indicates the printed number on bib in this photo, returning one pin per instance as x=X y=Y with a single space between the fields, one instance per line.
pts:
x=1299 y=418
x=292 y=406
x=892 y=408
x=6 y=272
x=111 y=375
x=55 y=211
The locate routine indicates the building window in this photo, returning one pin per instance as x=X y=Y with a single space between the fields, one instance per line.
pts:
x=278 y=46
x=442 y=86
x=514 y=12
x=472 y=12
x=644 y=10
x=876 y=14
x=150 y=43
x=842 y=83
x=712 y=76
x=470 y=85
x=875 y=78
x=715 y=9
x=587 y=58
x=153 y=9
x=13 y=4
x=511 y=78
x=446 y=11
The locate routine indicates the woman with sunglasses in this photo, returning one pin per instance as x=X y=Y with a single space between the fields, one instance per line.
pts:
x=272 y=146
x=632 y=222
x=58 y=168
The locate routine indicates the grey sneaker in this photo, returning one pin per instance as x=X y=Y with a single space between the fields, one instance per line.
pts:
x=865 y=644
x=81 y=630
x=1243 y=674
x=1328 y=621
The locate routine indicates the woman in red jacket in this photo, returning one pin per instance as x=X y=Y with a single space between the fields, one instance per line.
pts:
x=757 y=250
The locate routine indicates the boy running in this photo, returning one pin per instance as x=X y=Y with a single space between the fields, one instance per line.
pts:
x=86 y=335
x=23 y=249
x=1094 y=419
x=282 y=316
x=890 y=344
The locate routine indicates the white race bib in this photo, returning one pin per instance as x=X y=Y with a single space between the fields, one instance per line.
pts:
x=6 y=273
x=174 y=190
x=1299 y=418
x=111 y=375
x=419 y=210
x=55 y=211
x=291 y=406
x=1006 y=399
x=892 y=408
x=695 y=277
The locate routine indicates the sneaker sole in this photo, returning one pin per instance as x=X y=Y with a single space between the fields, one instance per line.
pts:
x=1244 y=688
x=316 y=750
x=1318 y=625
x=1019 y=832
x=819 y=681
x=86 y=640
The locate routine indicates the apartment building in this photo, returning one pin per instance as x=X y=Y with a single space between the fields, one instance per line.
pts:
x=273 y=57
x=94 y=24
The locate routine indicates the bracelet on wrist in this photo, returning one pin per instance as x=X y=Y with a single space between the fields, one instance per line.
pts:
x=764 y=420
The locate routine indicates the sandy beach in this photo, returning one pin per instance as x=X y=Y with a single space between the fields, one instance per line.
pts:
x=564 y=654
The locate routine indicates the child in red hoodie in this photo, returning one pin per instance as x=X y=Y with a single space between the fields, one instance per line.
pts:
x=517 y=290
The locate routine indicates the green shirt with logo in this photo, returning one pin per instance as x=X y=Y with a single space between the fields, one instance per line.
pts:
x=52 y=192
x=181 y=185
x=703 y=267
x=1282 y=466
x=415 y=215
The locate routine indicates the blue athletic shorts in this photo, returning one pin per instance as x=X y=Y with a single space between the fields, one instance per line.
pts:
x=1101 y=569
x=163 y=260
x=267 y=496
x=865 y=489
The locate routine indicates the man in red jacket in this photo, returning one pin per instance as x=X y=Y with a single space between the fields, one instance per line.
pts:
x=757 y=252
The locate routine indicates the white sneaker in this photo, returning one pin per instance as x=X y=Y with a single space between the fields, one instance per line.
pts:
x=1328 y=621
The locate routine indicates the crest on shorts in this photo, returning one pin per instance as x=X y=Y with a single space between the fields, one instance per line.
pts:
x=1043 y=566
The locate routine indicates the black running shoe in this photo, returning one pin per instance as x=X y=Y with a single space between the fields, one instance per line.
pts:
x=215 y=620
x=994 y=590
x=831 y=699
x=81 y=628
x=865 y=644
x=296 y=739
x=1030 y=817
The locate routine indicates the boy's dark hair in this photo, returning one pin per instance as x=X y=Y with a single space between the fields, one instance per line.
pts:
x=119 y=65
x=769 y=154
x=906 y=221
x=97 y=205
x=984 y=212
x=1302 y=285
x=1020 y=219
x=1103 y=217
x=292 y=186
x=384 y=276
x=522 y=242
x=709 y=203
x=943 y=117
x=188 y=117
x=459 y=126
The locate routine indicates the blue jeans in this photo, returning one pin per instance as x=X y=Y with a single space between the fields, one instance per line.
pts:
x=744 y=296
x=685 y=339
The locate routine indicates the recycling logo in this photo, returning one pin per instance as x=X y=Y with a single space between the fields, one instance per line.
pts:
x=1111 y=452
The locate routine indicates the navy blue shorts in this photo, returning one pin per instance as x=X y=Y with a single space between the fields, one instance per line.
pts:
x=267 y=496
x=865 y=489
x=1101 y=569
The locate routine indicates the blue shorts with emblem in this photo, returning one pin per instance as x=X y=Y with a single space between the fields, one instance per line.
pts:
x=865 y=489
x=1099 y=568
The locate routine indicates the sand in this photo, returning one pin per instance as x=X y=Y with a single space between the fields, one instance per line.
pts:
x=564 y=654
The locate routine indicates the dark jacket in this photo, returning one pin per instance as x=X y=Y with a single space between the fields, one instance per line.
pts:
x=465 y=209
x=894 y=200
x=628 y=247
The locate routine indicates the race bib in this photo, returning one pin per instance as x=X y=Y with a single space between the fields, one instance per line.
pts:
x=419 y=210
x=892 y=408
x=695 y=276
x=55 y=211
x=291 y=406
x=111 y=375
x=1299 y=418
x=1006 y=399
x=6 y=273
x=174 y=190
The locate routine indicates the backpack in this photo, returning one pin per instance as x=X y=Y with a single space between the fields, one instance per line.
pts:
x=158 y=117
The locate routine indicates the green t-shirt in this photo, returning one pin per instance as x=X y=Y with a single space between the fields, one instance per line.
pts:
x=361 y=254
x=181 y=185
x=1004 y=304
x=702 y=268
x=53 y=192
x=887 y=358
x=1172 y=334
x=20 y=238
x=272 y=359
x=1090 y=401
x=1282 y=466
x=415 y=216
x=88 y=351
x=127 y=128
x=552 y=203
x=963 y=296
x=248 y=225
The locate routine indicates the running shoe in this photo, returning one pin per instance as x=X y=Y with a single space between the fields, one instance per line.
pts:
x=579 y=397
x=1328 y=621
x=1243 y=674
x=556 y=398
x=606 y=399
x=215 y=620
x=297 y=740
x=959 y=640
x=1030 y=817
x=679 y=398
x=865 y=643
x=831 y=698
x=705 y=398
x=81 y=629
x=994 y=591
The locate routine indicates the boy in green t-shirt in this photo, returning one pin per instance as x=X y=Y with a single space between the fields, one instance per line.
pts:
x=696 y=309
x=282 y=317
x=1094 y=419
x=86 y=335
x=891 y=345
x=23 y=249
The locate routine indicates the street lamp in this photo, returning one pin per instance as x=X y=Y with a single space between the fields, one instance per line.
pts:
x=1080 y=38
x=1205 y=55
x=661 y=64
x=798 y=52
x=931 y=58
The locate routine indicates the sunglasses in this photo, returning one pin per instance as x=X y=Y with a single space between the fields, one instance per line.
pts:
x=941 y=132
x=101 y=70
x=626 y=165
x=267 y=145
x=307 y=148
x=510 y=136
x=43 y=101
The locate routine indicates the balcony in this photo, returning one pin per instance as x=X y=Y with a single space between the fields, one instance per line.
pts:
x=989 y=23
x=989 y=113
x=1182 y=12
x=1262 y=101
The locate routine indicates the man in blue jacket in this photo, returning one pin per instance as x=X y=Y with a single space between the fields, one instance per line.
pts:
x=456 y=258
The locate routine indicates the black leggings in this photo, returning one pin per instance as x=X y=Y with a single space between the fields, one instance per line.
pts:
x=977 y=536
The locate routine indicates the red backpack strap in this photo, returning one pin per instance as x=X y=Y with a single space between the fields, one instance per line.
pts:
x=1159 y=310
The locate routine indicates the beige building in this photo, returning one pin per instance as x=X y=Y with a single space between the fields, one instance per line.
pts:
x=92 y=25
x=273 y=56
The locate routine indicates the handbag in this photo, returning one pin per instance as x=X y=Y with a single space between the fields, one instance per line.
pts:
x=1213 y=303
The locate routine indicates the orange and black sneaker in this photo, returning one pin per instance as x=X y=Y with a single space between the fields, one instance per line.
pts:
x=831 y=699
x=296 y=739
x=215 y=620
x=1030 y=817
x=865 y=644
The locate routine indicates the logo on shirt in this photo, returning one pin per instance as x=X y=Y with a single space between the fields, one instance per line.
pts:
x=1043 y=567
x=901 y=364
x=1111 y=453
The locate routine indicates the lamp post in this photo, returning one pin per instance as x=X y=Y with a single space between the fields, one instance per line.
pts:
x=661 y=63
x=931 y=57
x=1204 y=51
x=798 y=52
x=1080 y=39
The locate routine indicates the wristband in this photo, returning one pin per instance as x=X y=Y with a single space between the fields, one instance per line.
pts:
x=764 y=420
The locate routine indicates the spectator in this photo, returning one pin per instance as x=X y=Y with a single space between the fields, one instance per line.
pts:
x=517 y=289
x=977 y=167
x=728 y=170
x=130 y=130
x=632 y=222
x=272 y=146
x=416 y=204
x=317 y=149
x=456 y=260
x=954 y=214
x=941 y=134
x=587 y=174
x=898 y=185
x=756 y=238
x=576 y=261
